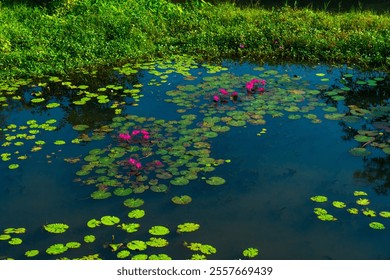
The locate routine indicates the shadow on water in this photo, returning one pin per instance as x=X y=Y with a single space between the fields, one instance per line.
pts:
x=275 y=151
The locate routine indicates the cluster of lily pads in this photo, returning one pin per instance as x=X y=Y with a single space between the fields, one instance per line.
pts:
x=359 y=206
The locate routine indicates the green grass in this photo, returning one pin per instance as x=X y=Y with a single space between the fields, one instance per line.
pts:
x=90 y=33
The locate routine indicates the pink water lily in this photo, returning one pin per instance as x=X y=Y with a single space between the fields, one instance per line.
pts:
x=135 y=163
x=132 y=161
x=146 y=136
x=144 y=132
x=261 y=89
x=124 y=136
x=158 y=163
x=242 y=46
x=136 y=132
x=235 y=96
x=223 y=91
x=263 y=82
x=216 y=98
x=249 y=86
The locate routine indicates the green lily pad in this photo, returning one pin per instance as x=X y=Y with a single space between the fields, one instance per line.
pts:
x=207 y=249
x=353 y=211
x=122 y=191
x=93 y=223
x=137 y=245
x=215 y=181
x=123 y=254
x=109 y=220
x=136 y=214
x=159 y=230
x=363 y=138
x=326 y=217
x=360 y=152
x=159 y=188
x=15 y=241
x=319 y=198
x=56 y=249
x=198 y=257
x=129 y=228
x=100 y=194
x=53 y=105
x=181 y=200
x=369 y=213
x=140 y=257
x=80 y=127
x=339 y=204
x=59 y=142
x=385 y=214
x=159 y=257
x=115 y=246
x=56 y=228
x=13 y=166
x=31 y=253
x=187 y=227
x=359 y=193
x=157 y=242
x=5 y=236
x=133 y=202
x=386 y=150
x=250 y=252
x=363 y=201
x=179 y=181
x=89 y=238
x=73 y=245
x=376 y=225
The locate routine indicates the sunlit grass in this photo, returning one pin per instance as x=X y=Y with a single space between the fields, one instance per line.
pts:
x=83 y=33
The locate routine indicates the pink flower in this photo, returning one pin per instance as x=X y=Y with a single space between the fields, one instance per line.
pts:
x=255 y=81
x=135 y=132
x=216 y=98
x=263 y=82
x=234 y=93
x=138 y=165
x=249 y=86
x=146 y=136
x=144 y=132
x=261 y=89
x=235 y=96
x=242 y=46
x=223 y=91
x=158 y=163
x=124 y=136
x=132 y=161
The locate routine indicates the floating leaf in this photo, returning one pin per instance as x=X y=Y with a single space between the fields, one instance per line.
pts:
x=80 y=127
x=363 y=201
x=56 y=249
x=157 y=242
x=93 y=223
x=215 y=181
x=89 y=238
x=187 y=227
x=159 y=188
x=360 y=152
x=179 y=181
x=368 y=212
x=15 y=241
x=31 y=253
x=137 y=245
x=140 y=257
x=250 y=252
x=181 y=200
x=59 y=142
x=13 y=166
x=100 y=194
x=136 y=214
x=73 y=245
x=122 y=191
x=109 y=220
x=5 y=236
x=159 y=257
x=359 y=193
x=339 y=204
x=319 y=198
x=133 y=202
x=159 y=230
x=123 y=254
x=385 y=214
x=198 y=257
x=354 y=211
x=56 y=228
x=131 y=227
x=208 y=249
x=376 y=225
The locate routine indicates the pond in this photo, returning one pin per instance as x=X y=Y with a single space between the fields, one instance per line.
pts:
x=185 y=160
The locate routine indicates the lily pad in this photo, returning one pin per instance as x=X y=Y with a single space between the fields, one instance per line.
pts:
x=130 y=228
x=136 y=214
x=157 y=242
x=215 y=181
x=15 y=241
x=159 y=188
x=122 y=191
x=353 y=211
x=385 y=214
x=109 y=220
x=133 y=202
x=339 y=204
x=187 y=227
x=93 y=223
x=250 y=252
x=31 y=253
x=56 y=249
x=140 y=257
x=376 y=225
x=179 y=181
x=123 y=254
x=359 y=193
x=73 y=245
x=319 y=198
x=56 y=228
x=100 y=194
x=363 y=201
x=181 y=200
x=89 y=238
x=159 y=230
x=360 y=152
x=137 y=245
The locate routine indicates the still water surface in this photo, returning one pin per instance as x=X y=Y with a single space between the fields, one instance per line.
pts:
x=265 y=202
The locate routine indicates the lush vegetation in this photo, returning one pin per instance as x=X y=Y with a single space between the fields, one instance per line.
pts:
x=68 y=34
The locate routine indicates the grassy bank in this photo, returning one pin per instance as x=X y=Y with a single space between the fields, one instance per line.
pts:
x=81 y=33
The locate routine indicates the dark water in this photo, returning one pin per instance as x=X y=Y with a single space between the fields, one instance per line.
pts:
x=265 y=202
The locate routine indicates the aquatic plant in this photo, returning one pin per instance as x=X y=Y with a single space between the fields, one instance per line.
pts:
x=250 y=252
x=56 y=228
x=187 y=227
